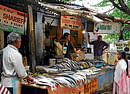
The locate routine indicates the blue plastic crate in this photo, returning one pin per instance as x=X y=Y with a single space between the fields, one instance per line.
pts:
x=95 y=92
x=101 y=82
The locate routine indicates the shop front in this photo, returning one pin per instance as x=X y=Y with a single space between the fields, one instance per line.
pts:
x=12 y=20
x=52 y=73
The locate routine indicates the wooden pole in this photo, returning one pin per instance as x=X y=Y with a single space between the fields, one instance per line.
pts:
x=31 y=40
x=39 y=28
x=1 y=40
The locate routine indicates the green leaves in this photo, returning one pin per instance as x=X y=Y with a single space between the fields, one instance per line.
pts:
x=118 y=13
x=111 y=37
x=103 y=3
x=126 y=35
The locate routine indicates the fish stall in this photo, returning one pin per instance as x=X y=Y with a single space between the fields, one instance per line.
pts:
x=70 y=77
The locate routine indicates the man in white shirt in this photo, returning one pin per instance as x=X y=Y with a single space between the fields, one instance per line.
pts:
x=13 y=68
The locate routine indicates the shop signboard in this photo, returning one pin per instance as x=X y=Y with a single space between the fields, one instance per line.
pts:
x=107 y=28
x=71 y=22
x=12 y=20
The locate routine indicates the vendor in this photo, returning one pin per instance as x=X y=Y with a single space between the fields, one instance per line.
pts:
x=99 y=47
x=13 y=68
x=47 y=41
x=68 y=47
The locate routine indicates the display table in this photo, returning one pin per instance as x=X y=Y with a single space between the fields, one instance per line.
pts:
x=90 y=86
x=67 y=90
x=35 y=89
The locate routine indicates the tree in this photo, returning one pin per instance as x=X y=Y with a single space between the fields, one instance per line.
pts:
x=124 y=34
x=123 y=5
x=111 y=37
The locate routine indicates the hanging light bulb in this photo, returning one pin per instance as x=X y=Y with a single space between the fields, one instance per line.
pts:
x=83 y=31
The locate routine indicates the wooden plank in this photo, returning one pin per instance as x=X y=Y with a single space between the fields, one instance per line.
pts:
x=1 y=40
x=31 y=40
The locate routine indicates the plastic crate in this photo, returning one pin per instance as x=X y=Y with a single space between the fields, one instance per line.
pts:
x=101 y=82
x=95 y=92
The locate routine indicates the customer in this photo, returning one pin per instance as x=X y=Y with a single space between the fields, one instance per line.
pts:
x=13 y=68
x=68 y=47
x=99 y=47
x=120 y=75
x=128 y=58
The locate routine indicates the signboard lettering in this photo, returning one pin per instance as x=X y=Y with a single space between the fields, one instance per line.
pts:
x=71 y=22
x=107 y=28
x=12 y=20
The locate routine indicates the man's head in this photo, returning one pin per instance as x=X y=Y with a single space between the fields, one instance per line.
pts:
x=67 y=36
x=14 y=39
x=99 y=38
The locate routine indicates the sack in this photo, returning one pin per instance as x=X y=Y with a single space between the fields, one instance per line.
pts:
x=1 y=63
x=58 y=48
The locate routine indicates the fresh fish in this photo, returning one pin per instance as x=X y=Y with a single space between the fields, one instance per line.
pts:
x=41 y=80
x=71 y=79
x=63 y=81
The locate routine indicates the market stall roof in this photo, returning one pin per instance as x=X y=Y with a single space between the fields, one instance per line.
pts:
x=58 y=7
x=76 y=10
x=70 y=10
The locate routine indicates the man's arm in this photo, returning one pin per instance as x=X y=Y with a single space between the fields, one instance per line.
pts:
x=18 y=65
x=92 y=42
x=20 y=69
x=72 y=47
x=106 y=46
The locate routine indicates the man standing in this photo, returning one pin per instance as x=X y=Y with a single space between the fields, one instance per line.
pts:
x=68 y=48
x=13 y=68
x=99 y=47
